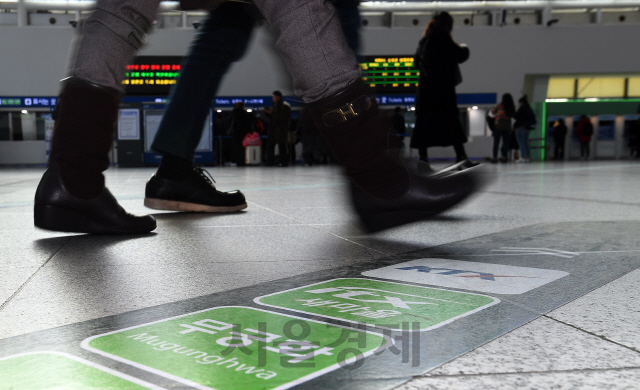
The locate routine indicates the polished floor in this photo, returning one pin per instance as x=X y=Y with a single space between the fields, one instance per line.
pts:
x=573 y=228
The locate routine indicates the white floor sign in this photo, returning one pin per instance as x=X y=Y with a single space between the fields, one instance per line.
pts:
x=490 y=278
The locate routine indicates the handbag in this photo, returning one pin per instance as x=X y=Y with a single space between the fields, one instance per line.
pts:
x=292 y=139
x=251 y=139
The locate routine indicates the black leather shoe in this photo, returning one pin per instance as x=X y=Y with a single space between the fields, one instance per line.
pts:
x=426 y=197
x=57 y=209
x=195 y=193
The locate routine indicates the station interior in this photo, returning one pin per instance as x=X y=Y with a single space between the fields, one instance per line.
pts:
x=531 y=283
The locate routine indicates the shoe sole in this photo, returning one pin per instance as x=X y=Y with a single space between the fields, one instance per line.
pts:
x=172 y=205
x=57 y=219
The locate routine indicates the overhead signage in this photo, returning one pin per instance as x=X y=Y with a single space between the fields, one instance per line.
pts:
x=390 y=74
x=151 y=75
x=467 y=275
x=28 y=102
x=238 y=348
x=255 y=101
x=382 y=304
x=55 y=370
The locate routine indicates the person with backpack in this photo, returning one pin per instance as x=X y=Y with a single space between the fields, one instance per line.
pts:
x=584 y=129
x=525 y=122
x=502 y=115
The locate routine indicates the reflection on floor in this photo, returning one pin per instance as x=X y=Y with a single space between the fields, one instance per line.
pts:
x=530 y=284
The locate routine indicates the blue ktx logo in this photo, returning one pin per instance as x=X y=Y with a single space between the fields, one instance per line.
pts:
x=456 y=272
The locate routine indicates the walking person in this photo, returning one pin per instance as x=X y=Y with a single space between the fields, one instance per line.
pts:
x=279 y=131
x=437 y=114
x=384 y=191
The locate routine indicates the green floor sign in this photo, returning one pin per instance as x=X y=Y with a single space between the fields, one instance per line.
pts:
x=54 y=370
x=383 y=304
x=237 y=348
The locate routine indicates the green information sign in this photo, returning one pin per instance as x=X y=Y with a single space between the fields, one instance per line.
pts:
x=238 y=348
x=383 y=304
x=53 y=370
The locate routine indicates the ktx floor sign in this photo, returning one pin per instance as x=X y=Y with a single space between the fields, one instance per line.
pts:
x=381 y=304
x=238 y=348
x=468 y=275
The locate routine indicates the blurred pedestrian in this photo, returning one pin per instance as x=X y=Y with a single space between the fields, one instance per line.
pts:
x=438 y=116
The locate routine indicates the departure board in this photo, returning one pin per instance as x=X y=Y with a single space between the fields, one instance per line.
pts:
x=395 y=74
x=152 y=75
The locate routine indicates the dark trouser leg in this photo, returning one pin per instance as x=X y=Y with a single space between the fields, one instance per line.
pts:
x=496 y=143
x=270 y=152
x=461 y=154
x=239 y=152
x=283 y=152
x=221 y=40
x=505 y=144
x=423 y=154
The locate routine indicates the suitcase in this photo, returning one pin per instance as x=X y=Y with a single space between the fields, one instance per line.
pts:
x=253 y=155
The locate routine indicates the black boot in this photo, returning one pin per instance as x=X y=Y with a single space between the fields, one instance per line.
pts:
x=71 y=196
x=384 y=190
x=59 y=210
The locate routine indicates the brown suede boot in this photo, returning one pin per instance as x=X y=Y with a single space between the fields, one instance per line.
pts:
x=71 y=196
x=385 y=191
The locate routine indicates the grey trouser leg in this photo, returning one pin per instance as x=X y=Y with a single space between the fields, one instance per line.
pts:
x=111 y=36
x=310 y=39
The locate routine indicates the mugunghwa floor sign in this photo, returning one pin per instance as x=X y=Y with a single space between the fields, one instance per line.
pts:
x=238 y=348
x=467 y=275
x=382 y=304
x=56 y=370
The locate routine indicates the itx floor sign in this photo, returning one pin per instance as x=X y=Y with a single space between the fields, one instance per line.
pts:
x=371 y=325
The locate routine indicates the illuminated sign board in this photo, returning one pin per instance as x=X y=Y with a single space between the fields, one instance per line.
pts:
x=152 y=75
x=28 y=102
x=395 y=74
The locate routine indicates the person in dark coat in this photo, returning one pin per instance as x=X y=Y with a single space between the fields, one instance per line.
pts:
x=279 y=130
x=559 y=137
x=634 y=138
x=584 y=129
x=242 y=124
x=438 y=117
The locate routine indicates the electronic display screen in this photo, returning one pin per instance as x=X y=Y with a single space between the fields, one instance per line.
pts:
x=152 y=75
x=390 y=74
x=155 y=75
